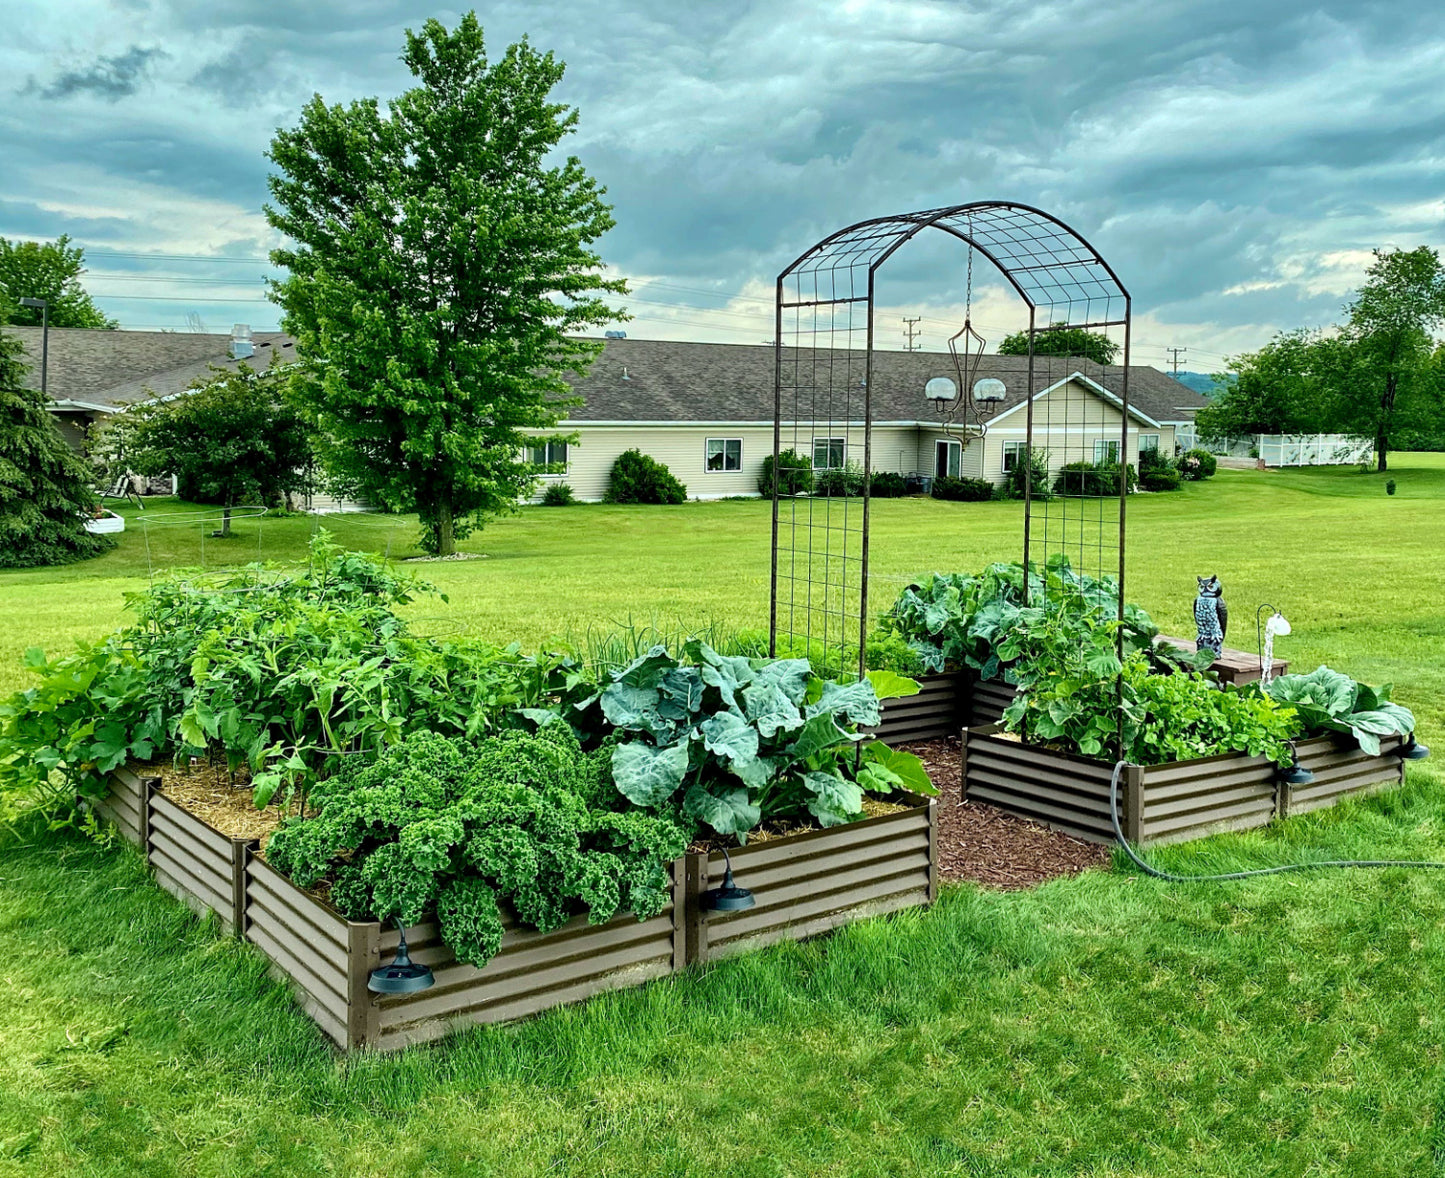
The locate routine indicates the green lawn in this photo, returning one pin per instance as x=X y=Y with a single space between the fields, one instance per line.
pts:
x=1107 y=1025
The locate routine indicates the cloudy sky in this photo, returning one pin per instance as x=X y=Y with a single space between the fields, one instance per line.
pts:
x=1234 y=162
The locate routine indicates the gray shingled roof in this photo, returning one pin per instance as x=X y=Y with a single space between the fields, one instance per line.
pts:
x=112 y=368
x=660 y=380
x=633 y=379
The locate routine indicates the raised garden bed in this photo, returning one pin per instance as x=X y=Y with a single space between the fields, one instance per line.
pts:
x=1166 y=803
x=804 y=884
x=945 y=705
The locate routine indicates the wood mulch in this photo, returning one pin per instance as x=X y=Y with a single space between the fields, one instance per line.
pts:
x=216 y=796
x=987 y=846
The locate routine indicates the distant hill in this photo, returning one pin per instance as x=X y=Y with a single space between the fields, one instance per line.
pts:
x=1200 y=382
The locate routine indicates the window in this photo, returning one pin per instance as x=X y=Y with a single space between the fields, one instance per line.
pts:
x=1106 y=450
x=946 y=459
x=1013 y=454
x=724 y=454
x=829 y=453
x=1148 y=442
x=548 y=454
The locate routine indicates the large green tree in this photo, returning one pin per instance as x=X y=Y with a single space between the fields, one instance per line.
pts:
x=231 y=438
x=45 y=492
x=442 y=263
x=1060 y=340
x=50 y=271
x=1290 y=385
x=1392 y=324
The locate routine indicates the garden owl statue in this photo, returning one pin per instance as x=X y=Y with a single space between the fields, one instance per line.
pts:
x=1211 y=615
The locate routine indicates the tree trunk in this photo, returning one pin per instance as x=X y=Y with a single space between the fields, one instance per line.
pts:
x=446 y=538
x=1382 y=463
x=1387 y=407
x=226 y=519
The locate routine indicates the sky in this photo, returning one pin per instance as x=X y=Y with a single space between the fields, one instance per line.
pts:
x=1235 y=164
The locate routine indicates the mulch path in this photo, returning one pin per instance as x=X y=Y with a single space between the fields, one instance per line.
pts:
x=987 y=846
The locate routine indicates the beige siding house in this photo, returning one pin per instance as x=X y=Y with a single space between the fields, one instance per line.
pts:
x=705 y=411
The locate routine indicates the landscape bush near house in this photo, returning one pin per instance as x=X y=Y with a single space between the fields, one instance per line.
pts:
x=962 y=490
x=840 y=482
x=1032 y=476
x=1195 y=465
x=638 y=478
x=1157 y=471
x=795 y=474
x=726 y=742
x=526 y=820
x=558 y=495
x=887 y=484
x=1092 y=479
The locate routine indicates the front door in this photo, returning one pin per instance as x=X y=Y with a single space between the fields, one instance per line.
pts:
x=946 y=458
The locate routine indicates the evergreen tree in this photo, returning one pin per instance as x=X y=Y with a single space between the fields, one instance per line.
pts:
x=45 y=492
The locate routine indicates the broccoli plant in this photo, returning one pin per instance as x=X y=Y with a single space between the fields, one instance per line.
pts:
x=731 y=742
x=441 y=825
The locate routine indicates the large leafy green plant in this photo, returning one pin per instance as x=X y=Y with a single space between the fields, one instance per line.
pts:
x=445 y=826
x=731 y=742
x=1329 y=701
x=285 y=672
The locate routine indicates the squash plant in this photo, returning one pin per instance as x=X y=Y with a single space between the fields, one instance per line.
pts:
x=731 y=742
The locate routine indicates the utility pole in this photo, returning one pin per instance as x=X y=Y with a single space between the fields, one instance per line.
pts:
x=911 y=331
x=1175 y=353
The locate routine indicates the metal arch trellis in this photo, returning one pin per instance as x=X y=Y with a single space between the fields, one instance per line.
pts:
x=824 y=368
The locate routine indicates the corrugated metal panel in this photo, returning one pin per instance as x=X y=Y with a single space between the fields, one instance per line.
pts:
x=936 y=711
x=1342 y=769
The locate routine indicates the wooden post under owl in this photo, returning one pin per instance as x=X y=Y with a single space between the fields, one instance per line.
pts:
x=1211 y=615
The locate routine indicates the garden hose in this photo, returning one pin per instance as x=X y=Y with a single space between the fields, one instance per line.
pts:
x=1231 y=875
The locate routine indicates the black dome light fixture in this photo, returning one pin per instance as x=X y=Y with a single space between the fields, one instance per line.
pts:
x=1413 y=750
x=1296 y=774
x=729 y=897
x=402 y=976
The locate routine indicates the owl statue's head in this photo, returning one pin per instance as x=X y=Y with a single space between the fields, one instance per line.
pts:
x=1209 y=586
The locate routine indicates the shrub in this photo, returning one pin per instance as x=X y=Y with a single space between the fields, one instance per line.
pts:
x=1390 y=487
x=446 y=826
x=962 y=490
x=1155 y=459
x=1198 y=464
x=842 y=482
x=558 y=495
x=1036 y=471
x=1160 y=479
x=795 y=474
x=637 y=478
x=888 y=485
x=1091 y=479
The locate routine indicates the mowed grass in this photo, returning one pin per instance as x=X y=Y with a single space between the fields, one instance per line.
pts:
x=1106 y=1025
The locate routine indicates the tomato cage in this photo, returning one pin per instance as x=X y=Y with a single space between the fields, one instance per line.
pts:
x=1051 y=428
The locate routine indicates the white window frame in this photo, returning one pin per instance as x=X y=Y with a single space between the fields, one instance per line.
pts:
x=1148 y=442
x=707 y=446
x=548 y=448
x=1103 y=447
x=954 y=463
x=842 y=444
x=1014 y=450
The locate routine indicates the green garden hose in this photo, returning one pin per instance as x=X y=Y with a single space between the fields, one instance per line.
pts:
x=1230 y=875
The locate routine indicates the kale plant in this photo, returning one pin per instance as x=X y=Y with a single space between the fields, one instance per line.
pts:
x=731 y=742
x=1329 y=701
x=442 y=825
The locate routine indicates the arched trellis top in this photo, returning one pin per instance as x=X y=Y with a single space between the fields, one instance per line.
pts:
x=1050 y=265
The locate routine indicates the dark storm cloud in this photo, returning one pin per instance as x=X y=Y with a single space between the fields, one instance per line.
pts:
x=1234 y=166
x=111 y=78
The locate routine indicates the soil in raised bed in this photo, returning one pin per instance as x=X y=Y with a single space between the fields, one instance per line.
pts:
x=987 y=846
x=217 y=797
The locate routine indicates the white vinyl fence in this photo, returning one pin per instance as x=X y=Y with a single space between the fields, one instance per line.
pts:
x=1282 y=449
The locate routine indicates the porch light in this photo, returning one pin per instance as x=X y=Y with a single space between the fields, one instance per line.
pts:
x=729 y=897
x=402 y=976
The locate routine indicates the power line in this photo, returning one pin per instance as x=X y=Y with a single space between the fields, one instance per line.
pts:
x=1174 y=353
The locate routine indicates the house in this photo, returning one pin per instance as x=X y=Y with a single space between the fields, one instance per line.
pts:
x=92 y=374
x=705 y=410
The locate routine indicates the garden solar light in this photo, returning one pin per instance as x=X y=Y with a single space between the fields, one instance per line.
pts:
x=402 y=976
x=1276 y=625
x=1296 y=774
x=729 y=897
x=1413 y=750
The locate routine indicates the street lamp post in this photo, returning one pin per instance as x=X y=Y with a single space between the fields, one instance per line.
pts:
x=44 y=306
